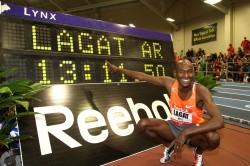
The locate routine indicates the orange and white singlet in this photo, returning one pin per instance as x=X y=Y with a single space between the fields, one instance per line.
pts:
x=184 y=112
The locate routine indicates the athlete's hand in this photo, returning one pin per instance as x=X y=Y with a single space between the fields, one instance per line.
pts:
x=112 y=68
x=179 y=142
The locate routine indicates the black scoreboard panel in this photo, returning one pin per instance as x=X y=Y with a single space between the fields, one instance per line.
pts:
x=63 y=54
x=30 y=35
x=71 y=70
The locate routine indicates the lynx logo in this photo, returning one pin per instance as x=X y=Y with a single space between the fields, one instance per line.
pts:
x=84 y=126
x=3 y=8
x=39 y=14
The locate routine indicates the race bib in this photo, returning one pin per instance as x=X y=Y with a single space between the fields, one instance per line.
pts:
x=181 y=116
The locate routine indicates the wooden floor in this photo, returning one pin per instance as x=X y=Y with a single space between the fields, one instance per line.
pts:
x=234 y=150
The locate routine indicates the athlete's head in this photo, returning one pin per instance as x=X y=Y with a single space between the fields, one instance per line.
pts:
x=184 y=72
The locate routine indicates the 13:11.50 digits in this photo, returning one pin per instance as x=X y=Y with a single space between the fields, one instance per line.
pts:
x=70 y=72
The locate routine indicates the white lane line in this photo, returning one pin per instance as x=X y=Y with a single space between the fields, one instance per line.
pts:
x=240 y=120
x=232 y=99
x=131 y=155
x=230 y=89
x=235 y=84
x=233 y=93
x=234 y=107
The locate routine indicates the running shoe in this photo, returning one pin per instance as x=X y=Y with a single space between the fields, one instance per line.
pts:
x=198 y=159
x=167 y=155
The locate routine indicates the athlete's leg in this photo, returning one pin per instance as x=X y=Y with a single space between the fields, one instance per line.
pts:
x=157 y=130
x=205 y=142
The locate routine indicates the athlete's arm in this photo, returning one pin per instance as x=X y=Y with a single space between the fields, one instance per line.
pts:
x=162 y=80
x=215 y=122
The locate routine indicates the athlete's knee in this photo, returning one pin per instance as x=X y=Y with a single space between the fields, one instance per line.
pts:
x=142 y=124
x=213 y=139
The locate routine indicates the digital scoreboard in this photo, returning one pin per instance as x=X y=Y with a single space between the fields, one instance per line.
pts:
x=55 y=48
x=79 y=122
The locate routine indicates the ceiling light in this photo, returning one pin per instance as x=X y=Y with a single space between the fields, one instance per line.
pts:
x=170 y=19
x=212 y=1
x=131 y=25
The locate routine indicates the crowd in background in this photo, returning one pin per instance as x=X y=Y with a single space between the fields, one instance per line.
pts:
x=233 y=65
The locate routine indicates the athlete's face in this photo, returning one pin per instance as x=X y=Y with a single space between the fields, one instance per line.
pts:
x=185 y=73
